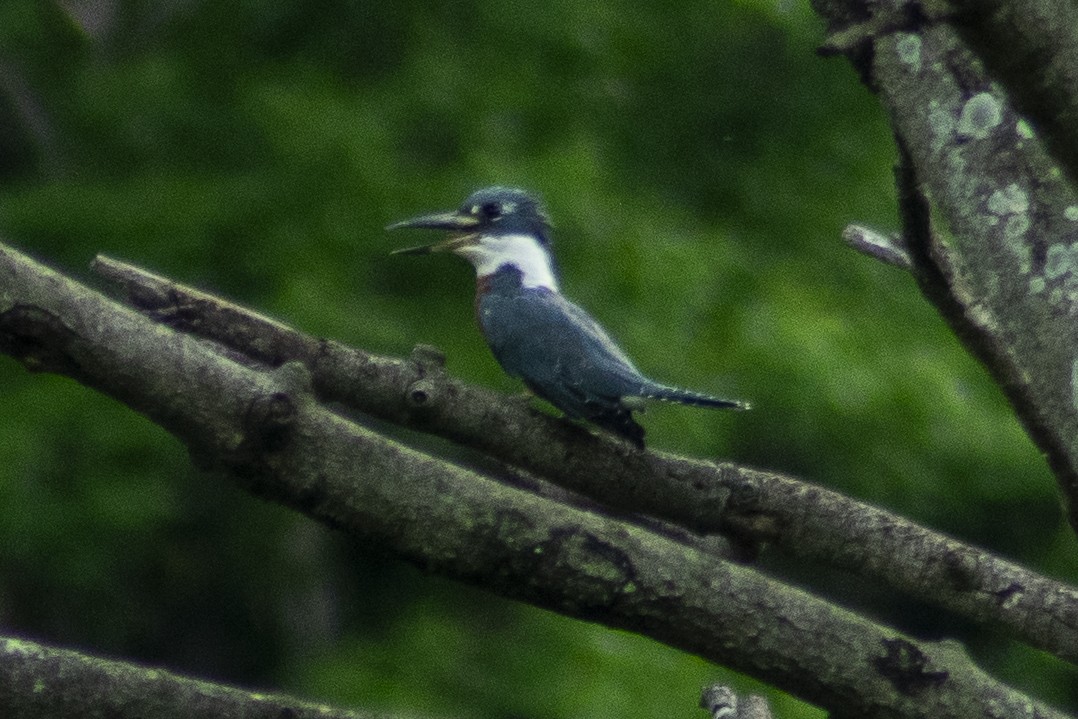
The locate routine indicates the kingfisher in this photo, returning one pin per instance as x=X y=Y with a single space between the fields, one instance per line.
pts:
x=536 y=334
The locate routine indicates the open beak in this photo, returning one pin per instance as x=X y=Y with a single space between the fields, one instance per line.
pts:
x=458 y=224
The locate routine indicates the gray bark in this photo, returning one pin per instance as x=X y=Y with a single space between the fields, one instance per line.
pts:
x=1006 y=277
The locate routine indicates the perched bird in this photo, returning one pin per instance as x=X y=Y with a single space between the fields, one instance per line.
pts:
x=535 y=333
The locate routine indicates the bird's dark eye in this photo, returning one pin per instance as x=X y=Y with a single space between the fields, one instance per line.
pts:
x=491 y=210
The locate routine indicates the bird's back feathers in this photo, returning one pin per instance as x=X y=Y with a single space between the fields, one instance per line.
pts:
x=567 y=358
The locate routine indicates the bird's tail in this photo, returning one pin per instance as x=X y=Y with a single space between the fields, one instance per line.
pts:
x=697 y=399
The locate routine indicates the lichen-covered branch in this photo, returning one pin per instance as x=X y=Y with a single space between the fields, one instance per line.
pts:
x=1031 y=47
x=1008 y=280
x=40 y=682
x=799 y=518
x=267 y=430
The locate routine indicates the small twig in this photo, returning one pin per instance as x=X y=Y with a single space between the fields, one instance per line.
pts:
x=720 y=701
x=42 y=681
x=723 y=703
x=889 y=249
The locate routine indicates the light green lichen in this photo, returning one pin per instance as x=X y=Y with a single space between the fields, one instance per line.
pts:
x=908 y=48
x=1008 y=201
x=1011 y=204
x=16 y=646
x=1060 y=261
x=1071 y=213
x=1061 y=268
x=1015 y=231
x=942 y=123
x=980 y=115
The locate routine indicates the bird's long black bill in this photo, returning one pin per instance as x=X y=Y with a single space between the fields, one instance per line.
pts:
x=451 y=221
x=421 y=250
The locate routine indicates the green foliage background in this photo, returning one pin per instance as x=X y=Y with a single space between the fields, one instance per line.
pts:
x=700 y=163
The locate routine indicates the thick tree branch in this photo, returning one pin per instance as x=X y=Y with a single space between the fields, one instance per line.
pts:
x=37 y=681
x=799 y=518
x=1031 y=46
x=266 y=429
x=1008 y=282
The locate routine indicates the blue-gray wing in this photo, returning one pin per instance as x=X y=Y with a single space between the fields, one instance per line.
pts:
x=559 y=351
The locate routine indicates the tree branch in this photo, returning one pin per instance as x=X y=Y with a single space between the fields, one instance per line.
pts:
x=760 y=507
x=1031 y=46
x=1008 y=282
x=267 y=430
x=41 y=681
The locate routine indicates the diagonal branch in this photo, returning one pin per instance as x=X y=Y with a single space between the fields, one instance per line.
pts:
x=41 y=681
x=266 y=429
x=799 y=518
x=1032 y=47
x=1007 y=281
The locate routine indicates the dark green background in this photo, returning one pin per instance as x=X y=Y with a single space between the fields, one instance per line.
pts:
x=699 y=161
